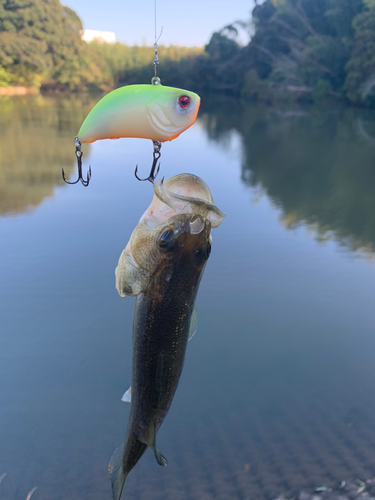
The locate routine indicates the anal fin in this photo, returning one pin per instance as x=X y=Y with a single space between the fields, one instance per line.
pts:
x=160 y=458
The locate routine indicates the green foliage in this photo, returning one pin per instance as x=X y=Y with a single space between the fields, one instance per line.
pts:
x=36 y=34
x=326 y=47
x=299 y=49
x=255 y=89
x=360 y=79
x=126 y=64
x=5 y=77
x=321 y=90
x=220 y=69
x=40 y=42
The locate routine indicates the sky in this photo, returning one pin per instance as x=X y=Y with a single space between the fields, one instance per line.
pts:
x=184 y=22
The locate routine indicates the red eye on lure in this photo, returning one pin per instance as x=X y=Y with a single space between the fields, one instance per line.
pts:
x=184 y=101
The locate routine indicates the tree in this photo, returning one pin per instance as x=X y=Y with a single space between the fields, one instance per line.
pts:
x=303 y=44
x=40 y=40
x=360 y=79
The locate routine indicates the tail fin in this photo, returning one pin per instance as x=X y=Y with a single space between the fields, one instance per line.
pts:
x=117 y=474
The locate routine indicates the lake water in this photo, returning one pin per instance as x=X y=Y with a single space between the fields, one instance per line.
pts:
x=277 y=392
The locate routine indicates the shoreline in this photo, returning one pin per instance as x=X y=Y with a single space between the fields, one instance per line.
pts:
x=6 y=91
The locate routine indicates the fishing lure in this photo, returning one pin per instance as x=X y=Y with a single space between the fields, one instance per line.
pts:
x=150 y=112
x=140 y=111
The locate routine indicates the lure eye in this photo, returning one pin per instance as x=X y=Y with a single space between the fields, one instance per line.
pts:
x=184 y=101
x=166 y=238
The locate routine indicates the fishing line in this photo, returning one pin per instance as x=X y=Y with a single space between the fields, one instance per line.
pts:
x=155 y=17
x=156 y=80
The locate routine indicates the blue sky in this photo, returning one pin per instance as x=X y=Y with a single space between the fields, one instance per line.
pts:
x=184 y=23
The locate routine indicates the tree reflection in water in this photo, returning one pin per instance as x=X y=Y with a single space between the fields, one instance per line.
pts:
x=317 y=165
x=36 y=142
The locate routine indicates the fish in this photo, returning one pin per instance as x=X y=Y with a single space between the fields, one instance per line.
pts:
x=162 y=266
x=151 y=112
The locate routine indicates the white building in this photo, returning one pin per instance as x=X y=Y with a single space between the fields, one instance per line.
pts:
x=99 y=36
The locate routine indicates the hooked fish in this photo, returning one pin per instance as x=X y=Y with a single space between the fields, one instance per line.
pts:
x=162 y=265
x=142 y=111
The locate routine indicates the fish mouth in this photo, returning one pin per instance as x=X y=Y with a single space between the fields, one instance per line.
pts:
x=184 y=194
x=189 y=205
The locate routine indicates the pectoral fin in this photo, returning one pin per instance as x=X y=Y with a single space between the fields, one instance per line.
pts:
x=127 y=397
x=193 y=324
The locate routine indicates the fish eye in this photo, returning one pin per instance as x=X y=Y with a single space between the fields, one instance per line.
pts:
x=166 y=238
x=203 y=253
x=184 y=101
x=208 y=251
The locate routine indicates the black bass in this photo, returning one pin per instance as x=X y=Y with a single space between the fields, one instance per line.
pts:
x=162 y=266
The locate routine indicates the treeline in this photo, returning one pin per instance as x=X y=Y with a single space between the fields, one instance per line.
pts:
x=306 y=50
x=299 y=49
x=124 y=64
x=41 y=46
x=312 y=49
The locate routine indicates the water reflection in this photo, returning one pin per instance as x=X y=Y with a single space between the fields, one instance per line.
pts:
x=277 y=390
x=36 y=141
x=316 y=165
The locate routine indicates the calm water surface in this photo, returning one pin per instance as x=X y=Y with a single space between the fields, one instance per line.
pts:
x=277 y=392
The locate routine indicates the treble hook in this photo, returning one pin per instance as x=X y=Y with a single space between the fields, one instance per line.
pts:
x=79 y=155
x=156 y=155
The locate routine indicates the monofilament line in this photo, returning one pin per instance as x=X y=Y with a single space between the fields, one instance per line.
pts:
x=155 y=17
x=155 y=80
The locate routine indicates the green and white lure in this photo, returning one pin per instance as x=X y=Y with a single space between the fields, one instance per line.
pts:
x=140 y=111
x=150 y=112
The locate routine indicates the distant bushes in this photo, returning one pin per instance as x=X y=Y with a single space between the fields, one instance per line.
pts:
x=124 y=64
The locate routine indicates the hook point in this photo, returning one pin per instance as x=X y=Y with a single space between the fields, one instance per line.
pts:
x=79 y=155
x=156 y=154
